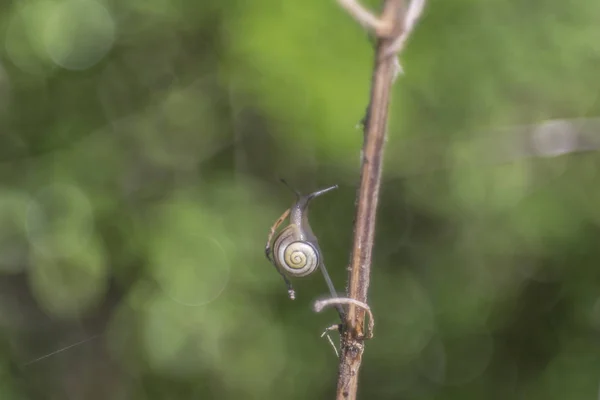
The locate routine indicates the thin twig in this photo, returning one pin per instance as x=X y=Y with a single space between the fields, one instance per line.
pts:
x=414 y=12
x=352 y=337
x=361 y=14
x=321 y=304
x=61 y=350
x=332 y=328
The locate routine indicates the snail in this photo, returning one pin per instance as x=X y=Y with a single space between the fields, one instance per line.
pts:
x=295 y=251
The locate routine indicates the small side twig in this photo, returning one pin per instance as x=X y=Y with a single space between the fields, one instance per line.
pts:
x=362 y=15
x=332 y=328
x=392 y=30
x=413 y=14
x=321 y=304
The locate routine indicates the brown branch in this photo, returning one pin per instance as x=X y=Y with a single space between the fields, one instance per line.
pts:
x=353 y=336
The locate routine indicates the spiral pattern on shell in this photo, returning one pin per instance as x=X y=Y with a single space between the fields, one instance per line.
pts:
x=296 y=257
x=300 y=258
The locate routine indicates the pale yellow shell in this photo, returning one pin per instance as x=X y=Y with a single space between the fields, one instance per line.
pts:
x=296 y=257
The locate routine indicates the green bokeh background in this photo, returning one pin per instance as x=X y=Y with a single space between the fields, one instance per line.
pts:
x=141 y=143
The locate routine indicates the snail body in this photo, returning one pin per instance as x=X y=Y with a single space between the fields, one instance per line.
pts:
x=295 y=251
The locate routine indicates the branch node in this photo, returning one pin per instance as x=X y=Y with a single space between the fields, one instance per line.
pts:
x=408 y=23
x=321 y=304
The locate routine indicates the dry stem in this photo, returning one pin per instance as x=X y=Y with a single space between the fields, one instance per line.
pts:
x=353 y=335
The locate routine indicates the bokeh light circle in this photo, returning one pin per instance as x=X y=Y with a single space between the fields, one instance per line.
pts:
x=13 y=240
x=23 y=39
x=189 y=253
x=78 y=34
x=457 y=359
x=188 y=280
x=59 y=220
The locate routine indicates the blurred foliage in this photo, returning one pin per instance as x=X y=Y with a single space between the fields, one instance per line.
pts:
x=141 y=144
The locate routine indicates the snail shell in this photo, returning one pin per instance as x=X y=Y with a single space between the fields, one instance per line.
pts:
x=294 y=255
x=295 y=251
